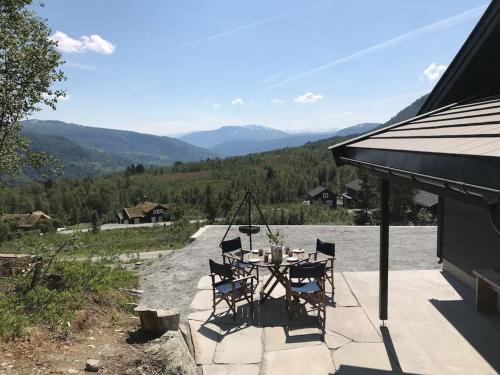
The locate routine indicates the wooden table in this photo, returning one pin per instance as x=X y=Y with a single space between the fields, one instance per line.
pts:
x=487 y=290
x=278 y=270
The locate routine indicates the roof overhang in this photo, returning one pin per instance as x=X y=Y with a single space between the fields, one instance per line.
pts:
x=463 y=175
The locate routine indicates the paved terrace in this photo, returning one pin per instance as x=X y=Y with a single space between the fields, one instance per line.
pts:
x=433 y=329
x=172 y=280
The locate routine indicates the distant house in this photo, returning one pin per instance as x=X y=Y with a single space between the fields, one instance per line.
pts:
x=26 y=221
x=322 y=195
x=144 y=212
x=350 y=196
x=424 y=199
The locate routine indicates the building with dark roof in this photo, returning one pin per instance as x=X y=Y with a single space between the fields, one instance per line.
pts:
x=321 y=194
x=144 y=212
x=26 y=221
x=451 y=149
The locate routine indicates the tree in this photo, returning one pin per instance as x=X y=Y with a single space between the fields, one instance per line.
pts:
x=95 y=225
x=210 y=208
x=28 y=69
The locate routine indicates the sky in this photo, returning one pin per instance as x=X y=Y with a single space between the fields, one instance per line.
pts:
x=172 y=67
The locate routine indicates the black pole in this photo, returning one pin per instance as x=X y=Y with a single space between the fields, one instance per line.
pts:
x=384 y=248
x=260 y=213
x=250 y=219
x=232 y=221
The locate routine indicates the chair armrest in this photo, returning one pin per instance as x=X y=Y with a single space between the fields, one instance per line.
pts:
x=244 y=278
x=314 y=254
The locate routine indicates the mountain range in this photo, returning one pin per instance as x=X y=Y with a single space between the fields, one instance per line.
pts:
x=89 y=151
x=246 y=139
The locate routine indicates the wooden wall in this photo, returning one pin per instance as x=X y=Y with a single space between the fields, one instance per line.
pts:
x=468 y=238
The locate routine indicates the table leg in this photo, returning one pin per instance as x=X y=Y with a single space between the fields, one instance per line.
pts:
x=279 y=277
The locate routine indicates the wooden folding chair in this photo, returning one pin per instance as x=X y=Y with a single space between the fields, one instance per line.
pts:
x=225 y=287
x=327 y=249
x=306 y=282
x=232 y=253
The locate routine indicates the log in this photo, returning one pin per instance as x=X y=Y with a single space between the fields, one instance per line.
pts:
x=159 y=321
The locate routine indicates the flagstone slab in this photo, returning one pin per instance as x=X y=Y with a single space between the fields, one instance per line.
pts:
x=231 y=370
x=343 y=295
x=282 y=338
x=205 y=283
x=240 y=345
x=203 y=300
x=372 y=356
x=299 y=361
x=351 y=322
x=334 y=340
x=205 y=338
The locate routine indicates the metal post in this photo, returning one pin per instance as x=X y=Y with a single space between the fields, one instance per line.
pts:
x=250 y=219
x=384 y=248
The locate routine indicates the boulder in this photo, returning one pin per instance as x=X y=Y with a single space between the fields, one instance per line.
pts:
x=92 y=365
x=170 y=355
x=160 y=321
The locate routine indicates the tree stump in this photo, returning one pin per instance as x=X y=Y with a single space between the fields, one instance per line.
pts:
x=159 y=321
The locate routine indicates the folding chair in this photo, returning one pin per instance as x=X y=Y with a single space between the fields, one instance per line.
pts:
x=306 y=282
x=327 y=249
x=232 y=253
x=225 y=287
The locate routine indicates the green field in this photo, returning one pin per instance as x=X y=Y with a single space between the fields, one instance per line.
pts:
x=105 y=243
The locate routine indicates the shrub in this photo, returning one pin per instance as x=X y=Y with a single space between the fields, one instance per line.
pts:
x=23 y=307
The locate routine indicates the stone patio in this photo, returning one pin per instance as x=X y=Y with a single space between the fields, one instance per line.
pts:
x=432 y=329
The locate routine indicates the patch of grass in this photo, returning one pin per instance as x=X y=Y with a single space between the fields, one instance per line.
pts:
x=23 y=307
x=109 y=242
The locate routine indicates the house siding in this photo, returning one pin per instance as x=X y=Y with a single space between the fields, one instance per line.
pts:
x=468 y=239
x=324 y=198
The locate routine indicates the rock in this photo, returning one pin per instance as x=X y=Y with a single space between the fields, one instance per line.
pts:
x=186 y=334
x=92 y=365
x=159 y=321
x=169 y=354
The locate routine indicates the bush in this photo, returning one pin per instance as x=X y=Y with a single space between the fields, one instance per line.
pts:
x=23 y=307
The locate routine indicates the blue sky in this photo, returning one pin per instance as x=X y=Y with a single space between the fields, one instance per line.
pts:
x=168 y=67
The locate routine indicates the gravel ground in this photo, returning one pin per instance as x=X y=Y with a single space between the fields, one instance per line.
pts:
x=171 y=280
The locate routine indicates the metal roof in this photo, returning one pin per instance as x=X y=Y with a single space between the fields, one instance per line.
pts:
x=452 y=151
x=317 y=190
x=354 y=184
x=465 y=129
x=425 y=199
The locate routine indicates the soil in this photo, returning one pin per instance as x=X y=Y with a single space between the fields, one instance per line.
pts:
x=111 y=337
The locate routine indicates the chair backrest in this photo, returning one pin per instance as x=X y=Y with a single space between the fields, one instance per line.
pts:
x=222 y=270
x=230 y=245
x=307 y=270
x=327 y=248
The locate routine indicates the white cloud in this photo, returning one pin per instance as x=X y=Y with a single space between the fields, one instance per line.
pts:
x=277 y=101
x=238 y=101
x=216 y=106
x=308 y=97
x=93 y=43
x=434 y=71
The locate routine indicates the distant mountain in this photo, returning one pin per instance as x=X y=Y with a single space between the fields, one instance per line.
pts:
x=212 y=138
x=357 y=129
x=247 y=139
x=78 y=161
x=128 y=146
x=408 y=112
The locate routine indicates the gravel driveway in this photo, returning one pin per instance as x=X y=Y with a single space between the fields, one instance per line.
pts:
x=172 y=279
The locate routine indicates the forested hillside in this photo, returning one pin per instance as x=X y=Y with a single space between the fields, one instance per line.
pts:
x=276 y=177
x=209 y=188
x=132 y=146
